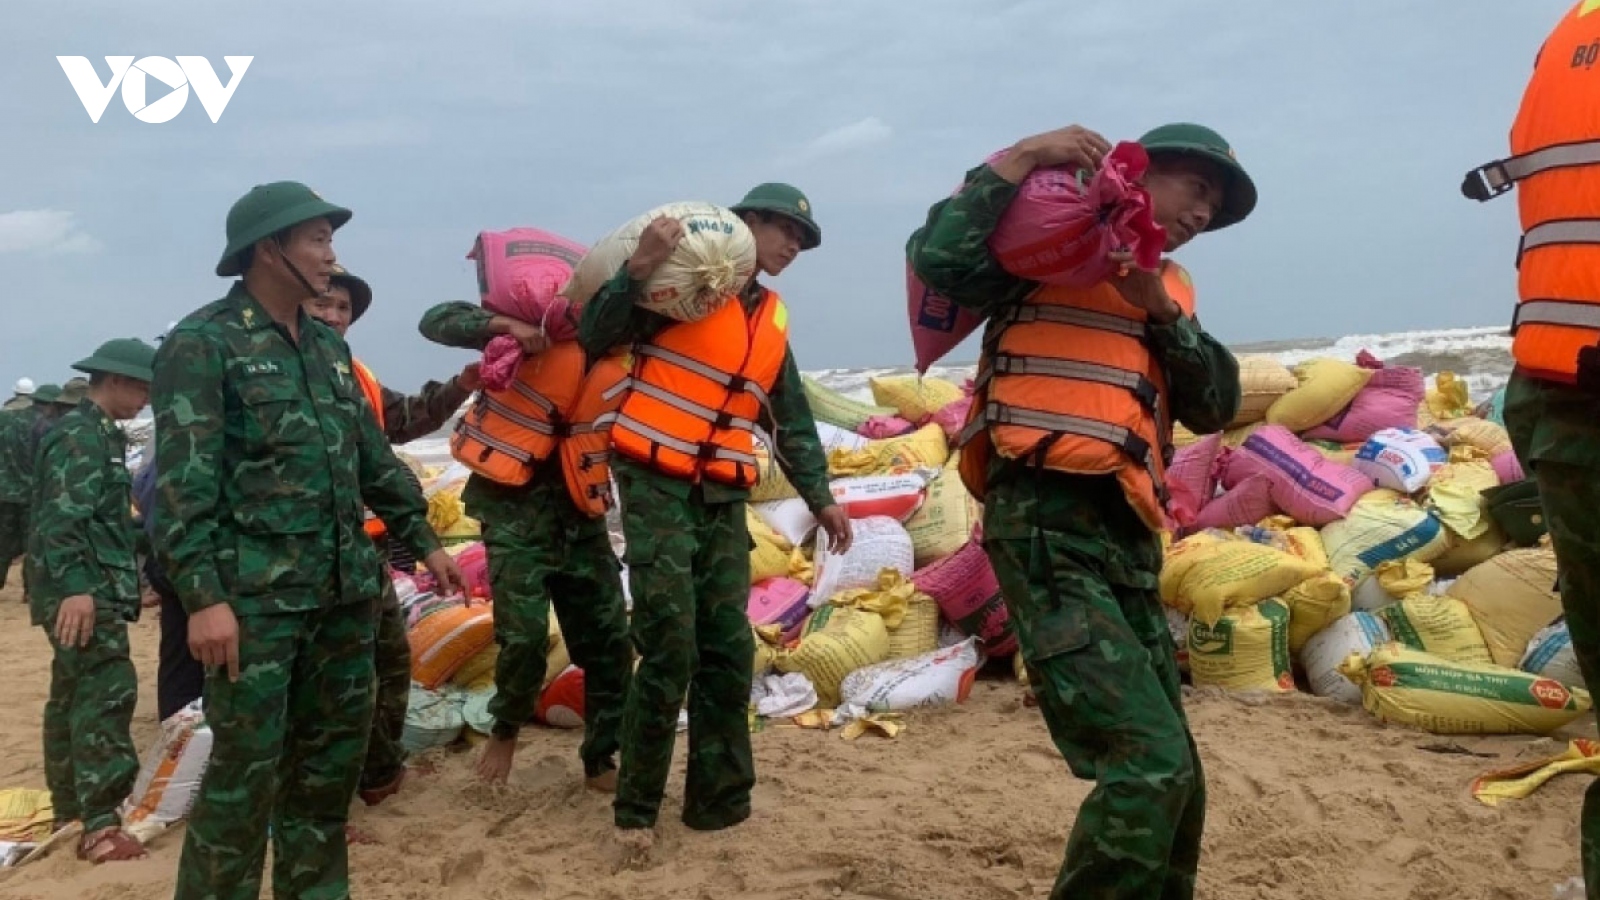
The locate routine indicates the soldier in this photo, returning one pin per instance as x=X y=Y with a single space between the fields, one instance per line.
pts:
x=401 y=419
x=19 y=439
x=84 y=589
x=544 y=549
x=1078 y=554
x=21 y=395
x=267 y=455
x=683 y=489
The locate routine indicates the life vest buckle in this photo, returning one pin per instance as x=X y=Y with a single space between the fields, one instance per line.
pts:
x=1487 y=182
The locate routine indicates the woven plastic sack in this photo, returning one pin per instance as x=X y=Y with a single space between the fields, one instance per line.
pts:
x=913 y=397
x=1357 y=634
x=968 y=593
x=1192 y=479
x=1248 y=501
x=713 y=262
x=1440 y=625
x=953 y=418
x=1550 y=654
x=443 y=642
x=844 y=640
x=1315 y=604
x=1512 y=597
x=1486 y=436
x=937 y=325
x=879 y=427
x=778 y=601
x=1455 y=495
x=1383 y=526
x=521 y=272
x=769 y=558
x=791 y=518
x=937 y=678
x=1305 y=485
x=1389 y=400
x=1507 y=467
x=1245 y=650
x=1262 y=381
x=834 y=408
x=1410 y=687
x=474 y=565
x=880 y=543
x=1400 y=459
x=923 y=448
x=895 y=496
x=170 y=773
x=945 y=521
x=1326 y=386
x=433 y=719
x=1208 y=573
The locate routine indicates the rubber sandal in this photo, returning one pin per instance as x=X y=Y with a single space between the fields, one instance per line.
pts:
x=110 y=845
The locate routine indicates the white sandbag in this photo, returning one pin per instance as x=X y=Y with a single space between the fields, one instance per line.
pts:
x=790 y=518
x=895 y=496
x=1360 y=633
x=1400 y=459
x=1550 y=654
x=713 y=261
x=933 y=679
x=169 y=777
x=880 y=543
x=836 y=438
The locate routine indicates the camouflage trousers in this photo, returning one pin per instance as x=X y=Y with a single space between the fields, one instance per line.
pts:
x=1103 y=667
x=1539 y=417
x=386 y=755
x=89 y=760
x=290 y=736
x=13 y=536
x=689 y=571
x=532 y=566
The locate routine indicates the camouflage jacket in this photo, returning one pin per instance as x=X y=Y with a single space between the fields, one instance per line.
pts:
x=543 y=504
x=407 y=418
x=612 y=318
x=950 y=254
x=83 y=536
x=16 y=461
x=266 y=455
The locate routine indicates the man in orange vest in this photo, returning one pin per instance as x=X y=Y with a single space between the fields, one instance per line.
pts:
x=684 y=463
x=1077 y=392
x=1552 y=403
x=402 y=419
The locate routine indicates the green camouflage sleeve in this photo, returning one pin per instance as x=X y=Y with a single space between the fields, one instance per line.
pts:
x=70 y=478
x=388 y=491
x=799 y=447
x=408 y=418
x=1202 y=375
x=950 y=252
x=187 y=397
x=457 y=324
x=611 y=318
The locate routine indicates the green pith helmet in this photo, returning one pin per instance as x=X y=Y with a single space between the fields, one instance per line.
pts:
x=360 y=291
x=1239 y=194
x=47 y=393
x=267 y=210
x=787 y=201
x=128 y=357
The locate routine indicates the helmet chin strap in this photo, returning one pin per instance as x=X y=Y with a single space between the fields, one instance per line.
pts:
x=295 y=270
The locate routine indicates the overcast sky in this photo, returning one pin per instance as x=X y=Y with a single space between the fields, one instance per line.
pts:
x=434 y=121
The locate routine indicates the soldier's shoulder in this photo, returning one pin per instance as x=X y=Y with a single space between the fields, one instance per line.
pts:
x=207 y=319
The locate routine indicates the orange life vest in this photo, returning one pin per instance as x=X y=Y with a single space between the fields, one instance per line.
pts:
x=374 y=393
x=1555 y=165
x=552 y=407
x=1067 y=382
x=699 y=393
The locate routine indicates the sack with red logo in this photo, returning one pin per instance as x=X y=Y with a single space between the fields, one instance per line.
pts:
x=1410 y=687
x=520 y=274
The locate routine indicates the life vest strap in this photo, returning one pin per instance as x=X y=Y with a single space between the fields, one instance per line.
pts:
x=1137 y=448
x=1559 y=231
x=1069 y=315
x=728 y=380
x=1493 y=179
x=717 y=418
x=534 y=397
x=1568 y=313
x=494 y=443
x=704 y=451
x=516 y=418
x=600 y=423
x=1136 y=383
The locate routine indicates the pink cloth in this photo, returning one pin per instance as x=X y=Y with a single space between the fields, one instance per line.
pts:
x=500 y=361
x=1508 y=467
x=1305 y=484
x=1192 y=479
x=954 y=417
x=778 y=601
x=880 y=427
x=1390 y=400
x=1059 y=229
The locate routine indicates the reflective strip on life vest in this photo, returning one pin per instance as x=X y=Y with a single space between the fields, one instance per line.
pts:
x=494 y=443
x=1568 y=313
x=1137 y=448
x=731 y=382
x=1559 y=231
x=704 y=413
x=1493 y=179
x=1067 y=315
x=1142 y=388
x=696 y=450
x=534 y=397
x=517 y=418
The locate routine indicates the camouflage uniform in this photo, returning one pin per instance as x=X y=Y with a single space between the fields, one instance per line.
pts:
x=83 y=544
x=1079 y=571
x=688 y=561
x=267 y=456
x=1556 y=431
x=16 y=476
x=544 y=551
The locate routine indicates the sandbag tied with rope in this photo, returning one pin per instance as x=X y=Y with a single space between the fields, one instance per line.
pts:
x=1067 y=381
x=555 y=407
x=521 y=272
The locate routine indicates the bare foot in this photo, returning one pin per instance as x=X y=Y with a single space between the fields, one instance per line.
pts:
x=632 y=847
x=110 y=845
x=494 y=766
x=604 y=783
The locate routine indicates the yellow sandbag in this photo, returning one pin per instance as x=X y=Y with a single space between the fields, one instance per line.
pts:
x=926 y=447
x=478 y=672
x=1517 y=782
x=914 y=399
x=801 y=568
x=1448 y=399
x=25 y=815
x=944 y=522
x=771 y=483
x=1246 y=650
x=1442 y=626
x=1314 y=604
x=828 y=405
x=445 y=510
x=767 y=638
x=465 y=530
x=1466 y=453
x=1182 y=437
x=1511 y=597
x=1462 y=555
x=1325 y=387
x=1403 y=577
x=839 y=640
x=1455 y=494
x=1205 y=574
x=1410 y=687
x=1262 y=381
x=770 y=557
x=1474 y=432
x=911 y=616
x=1383 y=525
x=556 y=655
x=1234 y=437
x=1300 y=540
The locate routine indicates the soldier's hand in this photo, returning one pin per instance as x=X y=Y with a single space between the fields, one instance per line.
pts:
x=656 y=243
x=1073 y=145
x=75 y=621
x=471 y=377
x=836 y=522
x=214 y=638
x=446 y=574
x=1144 y=290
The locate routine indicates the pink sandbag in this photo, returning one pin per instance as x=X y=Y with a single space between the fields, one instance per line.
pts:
x=520 y=274
x=953 y=418
x=778 y=601
x=1390 y=400
x=1305 y=484
x=474 y=565
x=1192 y=479
x=1508 y=467
x=1247 y=503
x=879 y=427
x=1064 y=222
x=501 y=357
x=937 y=325
x=968 y=593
